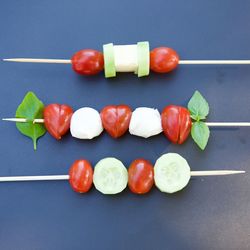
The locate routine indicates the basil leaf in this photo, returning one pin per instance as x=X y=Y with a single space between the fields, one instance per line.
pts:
x=198 y=106
x=200 y=134
x=31 y=108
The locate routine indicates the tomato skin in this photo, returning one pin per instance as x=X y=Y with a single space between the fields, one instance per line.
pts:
x=116 y=119
x=81 y=176
x=176 y=123
x=140 y=176
x=163 y=60
x=57 y=119
x=87 y=62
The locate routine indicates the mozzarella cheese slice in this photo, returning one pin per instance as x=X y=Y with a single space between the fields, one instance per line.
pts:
x=86 y=123
x=145 y=122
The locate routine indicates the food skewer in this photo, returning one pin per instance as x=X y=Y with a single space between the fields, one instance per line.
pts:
x=171 y=173
x=135 y=58
x=209 y=124
x=24 y=120
x=68 y=61
x=38 y=60
x=176 y=122
x=66 y=177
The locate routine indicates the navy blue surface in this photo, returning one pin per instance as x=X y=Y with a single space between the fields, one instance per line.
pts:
x=211 y=213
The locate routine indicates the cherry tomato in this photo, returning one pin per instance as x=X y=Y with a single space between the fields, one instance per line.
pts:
x=115 y=119
x=163 y=60
x=87 y=62
x=140 y=176
x=81 y=176
x=57 y=119
x=176 y=123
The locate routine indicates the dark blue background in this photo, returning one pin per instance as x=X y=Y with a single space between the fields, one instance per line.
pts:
x=211 y=213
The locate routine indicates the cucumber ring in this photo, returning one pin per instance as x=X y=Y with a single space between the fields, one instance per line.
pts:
x=110 y=176
x=143 y=58
x=172 y=173
x=109 y=60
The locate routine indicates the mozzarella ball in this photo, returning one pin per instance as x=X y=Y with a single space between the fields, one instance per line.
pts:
x=145 y=122
x=86 y=123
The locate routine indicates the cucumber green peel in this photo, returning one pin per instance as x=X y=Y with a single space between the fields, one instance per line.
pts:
x=109 y=60
x=110 y=176
x=143 y=58
x=171 y=173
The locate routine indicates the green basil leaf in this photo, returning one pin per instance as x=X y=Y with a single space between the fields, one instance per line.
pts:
x=200 y=134
x=198 y=106
x=31 y=108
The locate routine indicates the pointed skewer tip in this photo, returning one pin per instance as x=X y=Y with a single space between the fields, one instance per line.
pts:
x=38 y=120
x=217 y=172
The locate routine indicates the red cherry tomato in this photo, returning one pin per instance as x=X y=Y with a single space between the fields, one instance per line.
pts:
x=115 y=119
x=81 y=176
x=140 y=176
x=57 y=119
x=163 y=60
x=87 y=62
x=176 y=123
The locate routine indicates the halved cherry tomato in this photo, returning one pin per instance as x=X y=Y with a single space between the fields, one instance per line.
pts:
x=81 y=176
x=115 y=119
x=140 y=176
x=57 y=119
x=176 y=123
x=87 y=62
x=163 y=60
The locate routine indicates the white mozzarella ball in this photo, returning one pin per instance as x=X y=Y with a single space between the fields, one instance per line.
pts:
x=86 y=123
x=145 y=122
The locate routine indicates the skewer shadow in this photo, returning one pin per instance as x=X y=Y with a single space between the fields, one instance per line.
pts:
x=224 y=128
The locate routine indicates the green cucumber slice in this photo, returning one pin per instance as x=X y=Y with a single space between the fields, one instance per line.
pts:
x=143 y=58
x=110 y=176
x=109 y=60
x=171 y=173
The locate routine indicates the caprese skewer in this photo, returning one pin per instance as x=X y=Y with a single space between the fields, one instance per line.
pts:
x=135 y=58
x=170 y=174
x=176 y=122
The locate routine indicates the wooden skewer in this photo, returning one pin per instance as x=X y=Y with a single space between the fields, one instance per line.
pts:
x=214 y=62
x=67 y=61
x=228 y=124
x=22 y=120
x=216 y=172
x=210 y=124
x=34 y=178
x=32 y=60
x=66 y=177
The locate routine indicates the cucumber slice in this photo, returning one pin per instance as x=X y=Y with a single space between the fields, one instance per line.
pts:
x=110 y=176
x=171 y=173
x=143 y=58
x=126 y=58
x=109 y=60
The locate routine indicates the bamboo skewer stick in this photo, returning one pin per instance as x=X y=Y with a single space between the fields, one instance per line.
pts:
x=66 y=177
x=214 y=62
x=210 y=124
x=68 y=61
x=22 y=120
x=34 y=178
x=216 y=172
x=228 y=124
x=32 y=60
